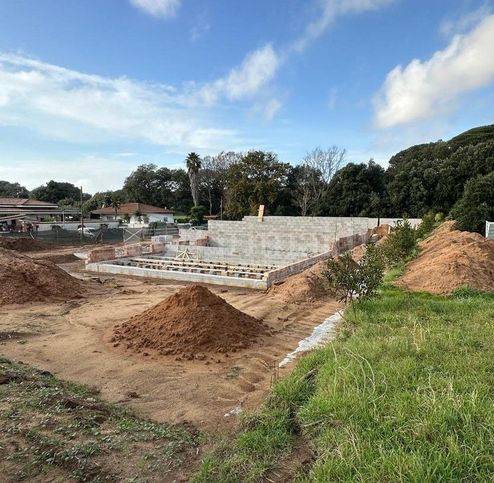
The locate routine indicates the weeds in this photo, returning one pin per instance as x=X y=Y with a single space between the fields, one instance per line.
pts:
x=62 y=431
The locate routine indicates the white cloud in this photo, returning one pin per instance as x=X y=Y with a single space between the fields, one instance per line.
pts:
x=465 y=22
x=256 y=71
x=330 y=10
x=75 y=106
x=158 y=8
x=423 y=90
x=271 y=108
x=94 y=173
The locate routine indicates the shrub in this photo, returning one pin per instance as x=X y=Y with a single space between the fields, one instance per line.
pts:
x=427 y=225
x=401 y=244
x=476 y=206
x=349 y=279
x=197 y=214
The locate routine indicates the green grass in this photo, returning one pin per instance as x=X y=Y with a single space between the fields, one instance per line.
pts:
x=60 y=431
x=405 y=395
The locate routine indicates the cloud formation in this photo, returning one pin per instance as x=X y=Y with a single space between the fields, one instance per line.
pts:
x=330 y=10
x=423 y=90
x=68 y=104
x=255 y=72
x=158 y=8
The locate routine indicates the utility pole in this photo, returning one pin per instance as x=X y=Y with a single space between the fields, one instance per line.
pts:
x=82 y=221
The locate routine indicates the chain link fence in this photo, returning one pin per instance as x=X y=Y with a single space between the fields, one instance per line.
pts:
x=87 y=236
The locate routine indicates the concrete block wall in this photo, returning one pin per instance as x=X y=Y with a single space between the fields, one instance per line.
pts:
x=295 y=237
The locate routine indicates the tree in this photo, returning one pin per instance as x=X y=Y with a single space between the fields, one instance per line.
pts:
x=349 y=279
x=356 y=190
x=258 y=179
x=55 y=191
x=141 y=186
x=163 y=187
x=476 y=206
x=318 y=167
x=193 y=163
x=12 y=190
x=214 y=177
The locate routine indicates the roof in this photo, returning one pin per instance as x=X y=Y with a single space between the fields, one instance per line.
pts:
x=25 y=203
x=131 y=208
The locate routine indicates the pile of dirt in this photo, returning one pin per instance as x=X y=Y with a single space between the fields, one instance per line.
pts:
x=302 y=287
x=306 y=286
x=26 y=280
x=191 y=323
x=23 y=244
x=450 y=259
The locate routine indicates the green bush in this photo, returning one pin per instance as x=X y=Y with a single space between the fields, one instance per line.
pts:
x=476 y=206
x=427 y=225
x=197 y=214
x=349 y=279
x=401 y=244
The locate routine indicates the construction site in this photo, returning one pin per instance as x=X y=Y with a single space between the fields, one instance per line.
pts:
x=256 y=252
x=198 y=327
x=195 y=324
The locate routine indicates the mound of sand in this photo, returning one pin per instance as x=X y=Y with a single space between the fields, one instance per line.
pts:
x=191 y=323
x=26 y=280
x=450 y=259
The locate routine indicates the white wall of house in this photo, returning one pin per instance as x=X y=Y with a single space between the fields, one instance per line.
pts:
x=152 y=217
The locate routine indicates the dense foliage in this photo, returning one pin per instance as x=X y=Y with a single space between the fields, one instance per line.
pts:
x=425 y=178
x=476 y=205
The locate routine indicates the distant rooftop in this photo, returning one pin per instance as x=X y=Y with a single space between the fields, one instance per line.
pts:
x=131 y=208
x=25 y=203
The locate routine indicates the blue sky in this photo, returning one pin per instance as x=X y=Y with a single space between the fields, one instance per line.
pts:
x=89 y=89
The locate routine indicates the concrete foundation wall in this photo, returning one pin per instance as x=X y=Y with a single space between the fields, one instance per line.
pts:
x=178 y=276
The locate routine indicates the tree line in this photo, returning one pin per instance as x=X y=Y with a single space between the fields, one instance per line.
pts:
x=450 y=177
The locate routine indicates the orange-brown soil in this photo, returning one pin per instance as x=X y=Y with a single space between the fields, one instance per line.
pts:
x=73 y=340
x=191 y=323
x=23 y=279
x=450 y=259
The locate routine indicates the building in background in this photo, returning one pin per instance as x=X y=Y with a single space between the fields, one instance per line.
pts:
x=135 y=215
x=24 y=214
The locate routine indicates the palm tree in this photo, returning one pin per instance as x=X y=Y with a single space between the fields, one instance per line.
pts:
x=193 y=163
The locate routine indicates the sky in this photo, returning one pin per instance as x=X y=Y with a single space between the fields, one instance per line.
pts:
x=90 y=89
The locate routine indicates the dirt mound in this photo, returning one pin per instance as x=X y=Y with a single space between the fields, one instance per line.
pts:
x=302 y=287
x=306 y=286
x=26 y=280
x=191 y=323
x=450 y=259
x=23 y=244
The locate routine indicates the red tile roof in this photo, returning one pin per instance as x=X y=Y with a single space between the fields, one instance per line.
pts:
x=131 y=208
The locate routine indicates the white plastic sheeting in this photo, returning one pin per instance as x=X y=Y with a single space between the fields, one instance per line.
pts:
x=319 y=335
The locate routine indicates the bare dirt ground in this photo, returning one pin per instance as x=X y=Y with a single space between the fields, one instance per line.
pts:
x=72 y=340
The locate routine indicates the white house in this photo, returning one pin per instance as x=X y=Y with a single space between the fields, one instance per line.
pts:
x=135 y=214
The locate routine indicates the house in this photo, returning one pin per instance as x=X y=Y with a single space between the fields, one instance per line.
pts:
x=23 y=214
x=135 y=214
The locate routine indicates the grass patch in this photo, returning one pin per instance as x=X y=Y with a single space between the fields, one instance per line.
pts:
x=58 y=431
x=407 y=397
